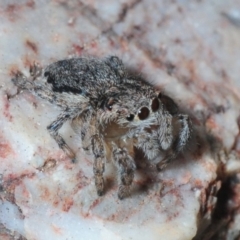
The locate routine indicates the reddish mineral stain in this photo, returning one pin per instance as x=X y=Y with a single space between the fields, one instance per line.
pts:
x=211 y=124
x=32 y=46
x=25 y=192
x=5 y=150
x=198 y=183
x=45 y=194
x=13 y=69
x=56 y=229
x=55 y=203
x=6 y=111
x=11 y=8
x=67 y=204
x=30 y=4
x=27 y=61
x=95 y=203
x=93 y=45
x=186 y=178
x=77 y=49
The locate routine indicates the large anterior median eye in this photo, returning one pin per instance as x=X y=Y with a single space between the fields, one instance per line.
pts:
x=155 y=104
x=143 y=113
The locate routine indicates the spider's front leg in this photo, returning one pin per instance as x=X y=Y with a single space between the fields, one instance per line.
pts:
x=126 y=166
x=179 y=142
x=184 y=132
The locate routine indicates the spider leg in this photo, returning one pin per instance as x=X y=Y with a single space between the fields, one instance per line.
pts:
x=39 y=89
x=167 y=159
x=179 y=142
x=84 y=126
x=184 y=132
x=99 y=162
x=54 y=127
x=21 y=82
x=35 y=70
x=126 y=166
x=165 y=132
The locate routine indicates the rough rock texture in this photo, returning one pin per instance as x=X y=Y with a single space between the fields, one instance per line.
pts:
x=191 y=50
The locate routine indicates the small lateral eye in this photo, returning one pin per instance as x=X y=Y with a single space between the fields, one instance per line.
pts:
x=155 y=104
x=46 y=74
x=143 y=113
x=130 y=117
x=110 y=103
x=160 y=95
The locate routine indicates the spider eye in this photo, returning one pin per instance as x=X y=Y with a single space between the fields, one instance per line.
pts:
x=46 y=74
x=155 y=104
x=110 y=103
x=130 y=117
x=143 y=113
x=159 y=95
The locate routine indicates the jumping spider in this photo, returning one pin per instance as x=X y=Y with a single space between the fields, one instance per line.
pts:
x=113 y=111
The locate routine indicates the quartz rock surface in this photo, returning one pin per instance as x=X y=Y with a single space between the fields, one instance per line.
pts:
x=188 y=49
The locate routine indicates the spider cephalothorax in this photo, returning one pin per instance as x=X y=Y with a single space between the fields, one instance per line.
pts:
x=113 y=111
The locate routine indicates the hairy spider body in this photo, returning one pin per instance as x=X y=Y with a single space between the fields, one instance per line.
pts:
x=112 y=111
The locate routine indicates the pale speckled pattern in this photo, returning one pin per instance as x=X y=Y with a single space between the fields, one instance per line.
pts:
x=190 y=49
